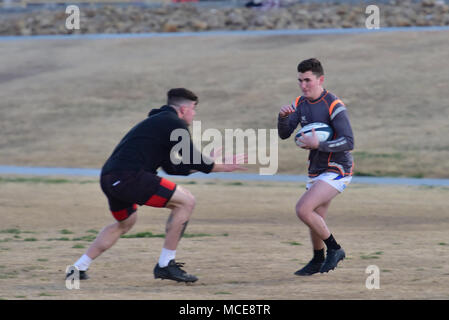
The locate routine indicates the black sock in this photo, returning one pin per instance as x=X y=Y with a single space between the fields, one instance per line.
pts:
x=318 y=255
x=331 y=243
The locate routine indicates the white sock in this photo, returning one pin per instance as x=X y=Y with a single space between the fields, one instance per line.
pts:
x=83 y=263
x=166 y=256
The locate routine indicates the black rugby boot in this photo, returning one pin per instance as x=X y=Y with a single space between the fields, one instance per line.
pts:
x=333 y=257
x=173 y=272
x=311 y=268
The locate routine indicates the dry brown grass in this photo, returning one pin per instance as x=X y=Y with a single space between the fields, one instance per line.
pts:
x=67 y=103
x=251 y=251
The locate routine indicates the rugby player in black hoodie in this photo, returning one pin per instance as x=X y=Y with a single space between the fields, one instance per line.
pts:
x=129 y=178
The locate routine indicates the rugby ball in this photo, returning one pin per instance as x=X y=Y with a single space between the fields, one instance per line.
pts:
x=322 y=130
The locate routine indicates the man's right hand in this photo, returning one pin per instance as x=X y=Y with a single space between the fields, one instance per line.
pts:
x=286 y=110
x=232 y=163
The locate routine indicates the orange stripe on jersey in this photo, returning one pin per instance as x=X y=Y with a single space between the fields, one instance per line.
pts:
x=313 y=175
x=296 y=101
x=333 y=104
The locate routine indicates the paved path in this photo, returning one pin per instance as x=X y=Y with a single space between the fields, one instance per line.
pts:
x=86 y=172
x=221 y=33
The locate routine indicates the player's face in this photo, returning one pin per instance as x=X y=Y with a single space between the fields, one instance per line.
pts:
x=188 y=110
x=310 y=84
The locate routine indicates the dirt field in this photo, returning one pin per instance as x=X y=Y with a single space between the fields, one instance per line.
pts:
x=238 y=249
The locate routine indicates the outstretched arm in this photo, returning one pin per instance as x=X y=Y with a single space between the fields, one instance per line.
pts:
x=232 y=163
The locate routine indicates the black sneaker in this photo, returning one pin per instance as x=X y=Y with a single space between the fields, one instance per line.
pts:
x=311 y=268
x=173 y=272
x=332 y=258
x=82 y=275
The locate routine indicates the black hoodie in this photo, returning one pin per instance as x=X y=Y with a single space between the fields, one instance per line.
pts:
x=147 y=146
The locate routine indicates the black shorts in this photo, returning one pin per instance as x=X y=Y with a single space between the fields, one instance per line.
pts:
x=127 y=189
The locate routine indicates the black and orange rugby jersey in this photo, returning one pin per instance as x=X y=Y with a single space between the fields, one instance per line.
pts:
x=333 y=155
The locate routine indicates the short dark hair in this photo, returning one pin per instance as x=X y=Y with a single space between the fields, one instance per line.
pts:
x=313 y=65
x=177 y=96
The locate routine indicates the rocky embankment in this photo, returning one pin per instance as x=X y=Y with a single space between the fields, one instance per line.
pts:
x=185 y=17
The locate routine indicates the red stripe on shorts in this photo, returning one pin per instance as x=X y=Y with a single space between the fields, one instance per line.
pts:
x=156 y=201
x=123 y=214
x=167 y=184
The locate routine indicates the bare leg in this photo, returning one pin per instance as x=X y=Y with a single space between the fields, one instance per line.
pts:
x=109 y=235
x=317 y=242
x=319 y=194
x=312 y=209
x=182 y=204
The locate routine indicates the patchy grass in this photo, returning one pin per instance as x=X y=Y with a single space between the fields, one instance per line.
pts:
x=46 y=294
x=294 y=243
x=236 y=183
x=162 y=235
x=196 y=235
x=368 y=257
x=59 y=239
x=15 y=231
x=9 y=274
x=85 y=238
x=33 y=180
x=260 y=232
x=42 y=180
x=12 y=230
x=371 y=256
x=143 y=235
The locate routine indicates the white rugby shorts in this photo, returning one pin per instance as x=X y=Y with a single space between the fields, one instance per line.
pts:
x=336 y=180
